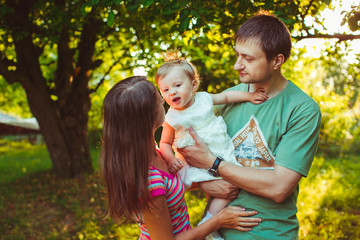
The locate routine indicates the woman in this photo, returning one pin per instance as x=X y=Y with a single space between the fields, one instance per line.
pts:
x=138 y=182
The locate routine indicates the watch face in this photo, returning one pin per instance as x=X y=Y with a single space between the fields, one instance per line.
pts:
x=212 y=172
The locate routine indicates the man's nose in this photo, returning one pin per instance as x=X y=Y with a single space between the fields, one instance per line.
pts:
x=238 y=66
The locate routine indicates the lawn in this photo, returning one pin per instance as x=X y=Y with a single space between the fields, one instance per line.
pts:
x=35 y=204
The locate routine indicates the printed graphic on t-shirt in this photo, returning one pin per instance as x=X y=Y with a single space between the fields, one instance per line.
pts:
x=251 y=149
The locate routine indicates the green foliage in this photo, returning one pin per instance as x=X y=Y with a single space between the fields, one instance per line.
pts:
x=13 y=99
x=134 y=33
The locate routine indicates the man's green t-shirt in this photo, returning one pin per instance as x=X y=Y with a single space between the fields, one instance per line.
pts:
x=281 y=131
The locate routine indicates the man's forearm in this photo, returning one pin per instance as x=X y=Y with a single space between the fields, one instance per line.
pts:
x=275 y=184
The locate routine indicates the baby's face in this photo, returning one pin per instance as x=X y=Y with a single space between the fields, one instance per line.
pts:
x=177 y=89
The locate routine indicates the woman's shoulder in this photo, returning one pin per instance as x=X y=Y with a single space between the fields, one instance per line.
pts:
x=156 y=172
x=155 y=179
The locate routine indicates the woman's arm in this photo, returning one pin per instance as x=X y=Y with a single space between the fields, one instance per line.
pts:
x=256 y=97
x=158 y=222
x=157 y=219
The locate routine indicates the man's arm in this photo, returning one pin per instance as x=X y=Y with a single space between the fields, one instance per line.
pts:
x=276 y=185
x=219 y=188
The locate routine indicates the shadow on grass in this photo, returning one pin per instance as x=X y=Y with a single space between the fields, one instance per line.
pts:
x=45 y=206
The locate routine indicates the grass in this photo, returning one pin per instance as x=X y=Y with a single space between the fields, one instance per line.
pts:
x=329 y=201
x=17 y=159
x=35 y=204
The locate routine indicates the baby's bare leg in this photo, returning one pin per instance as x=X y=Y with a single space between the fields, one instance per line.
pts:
x=218 y=204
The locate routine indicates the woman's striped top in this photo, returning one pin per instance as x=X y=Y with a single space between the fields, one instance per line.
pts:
x=162 y=183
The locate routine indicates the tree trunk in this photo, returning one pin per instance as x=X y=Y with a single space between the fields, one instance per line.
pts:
x=65 y=136
x=63 y=122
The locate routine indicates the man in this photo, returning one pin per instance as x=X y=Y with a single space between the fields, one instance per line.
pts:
x=275 y=142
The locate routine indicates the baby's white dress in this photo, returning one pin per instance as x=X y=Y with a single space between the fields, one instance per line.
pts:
x=212 y=129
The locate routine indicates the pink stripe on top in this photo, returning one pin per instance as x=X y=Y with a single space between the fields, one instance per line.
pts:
x=163 y=183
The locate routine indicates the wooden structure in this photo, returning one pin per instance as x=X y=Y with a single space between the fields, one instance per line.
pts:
x=18 y=126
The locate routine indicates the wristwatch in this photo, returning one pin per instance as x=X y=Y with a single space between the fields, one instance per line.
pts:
x=213 y=171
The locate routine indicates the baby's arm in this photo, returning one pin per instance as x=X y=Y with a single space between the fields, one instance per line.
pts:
x=256 y=97
x=167 y=139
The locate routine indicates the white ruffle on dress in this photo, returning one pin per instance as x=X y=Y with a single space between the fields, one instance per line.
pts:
x=212 y=129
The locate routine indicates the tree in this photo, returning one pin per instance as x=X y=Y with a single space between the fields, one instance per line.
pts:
x=352 y=18
x=312 y=8
x=62 y=51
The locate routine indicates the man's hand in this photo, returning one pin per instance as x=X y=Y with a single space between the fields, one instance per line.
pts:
x=197 y=155
x=219 y=189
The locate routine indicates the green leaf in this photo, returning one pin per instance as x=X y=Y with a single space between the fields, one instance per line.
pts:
x=184 y=25
x=95 y=2
x=147 y=2
x=269 y=4
x=110 y=19
x=171 y=8
x=132 y=5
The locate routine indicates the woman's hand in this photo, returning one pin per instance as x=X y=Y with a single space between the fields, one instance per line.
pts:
x=237 y=218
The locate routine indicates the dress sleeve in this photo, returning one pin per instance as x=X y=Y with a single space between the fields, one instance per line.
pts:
x=156 y=184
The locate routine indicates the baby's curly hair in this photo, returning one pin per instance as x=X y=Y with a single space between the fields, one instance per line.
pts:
x=172 y=60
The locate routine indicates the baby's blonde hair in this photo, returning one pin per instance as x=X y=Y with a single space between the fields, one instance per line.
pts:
x=173 y=60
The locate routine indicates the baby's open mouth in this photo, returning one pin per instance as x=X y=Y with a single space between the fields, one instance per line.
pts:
x=176 y=100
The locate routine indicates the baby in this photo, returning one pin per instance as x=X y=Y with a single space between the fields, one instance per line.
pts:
x=178 y=81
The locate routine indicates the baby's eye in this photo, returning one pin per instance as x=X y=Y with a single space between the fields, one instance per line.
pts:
x=178 y=85
x=165 y=90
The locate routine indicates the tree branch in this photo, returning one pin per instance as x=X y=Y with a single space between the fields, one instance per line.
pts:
x=86 y=49
x=64 y=71
x=340 y=37
x=103 y=78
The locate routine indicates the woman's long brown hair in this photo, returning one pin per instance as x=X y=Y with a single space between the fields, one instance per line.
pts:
x=130 y=113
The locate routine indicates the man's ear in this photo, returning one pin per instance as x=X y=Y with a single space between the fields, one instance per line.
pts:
x=278 y=61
